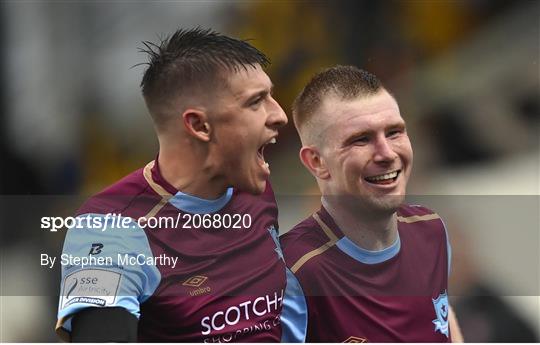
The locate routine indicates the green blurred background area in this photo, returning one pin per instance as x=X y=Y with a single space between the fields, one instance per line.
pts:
x=465 y=74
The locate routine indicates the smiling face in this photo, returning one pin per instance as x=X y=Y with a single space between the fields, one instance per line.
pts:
x=365 y=149
x=244 y=119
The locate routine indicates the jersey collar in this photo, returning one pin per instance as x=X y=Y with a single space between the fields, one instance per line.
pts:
x=185 y=202
x=356 y=252
x=369 y=257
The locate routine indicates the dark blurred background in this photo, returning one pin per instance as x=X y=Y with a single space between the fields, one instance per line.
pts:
x=465 y=74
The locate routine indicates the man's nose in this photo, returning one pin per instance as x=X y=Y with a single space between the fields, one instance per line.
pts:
x=384 y=151
x=276 y=116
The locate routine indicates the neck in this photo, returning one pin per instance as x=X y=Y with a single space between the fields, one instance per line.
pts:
x=186 y=169
x=369 y=231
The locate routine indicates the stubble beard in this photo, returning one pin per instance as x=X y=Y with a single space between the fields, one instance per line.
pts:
x=370 y=206
x=384 y=204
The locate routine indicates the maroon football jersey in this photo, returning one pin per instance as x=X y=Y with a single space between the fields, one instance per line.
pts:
x=211 y=271
x=398 y=294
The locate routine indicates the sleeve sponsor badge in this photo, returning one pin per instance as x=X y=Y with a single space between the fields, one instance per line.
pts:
x=93 y=286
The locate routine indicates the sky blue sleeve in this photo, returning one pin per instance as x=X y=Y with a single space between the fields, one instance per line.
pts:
x=108 y=281
x=294 y=312
x=448 y=248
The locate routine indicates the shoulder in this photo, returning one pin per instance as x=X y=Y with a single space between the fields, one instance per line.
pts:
x=424 y=230
x=415 y=212
x=421 y=219
x=130 y=196
x=305 y=238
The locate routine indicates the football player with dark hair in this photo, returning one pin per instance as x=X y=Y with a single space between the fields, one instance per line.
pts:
x=216 y=273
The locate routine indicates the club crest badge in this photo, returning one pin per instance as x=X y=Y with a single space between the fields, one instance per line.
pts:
x=441 y=311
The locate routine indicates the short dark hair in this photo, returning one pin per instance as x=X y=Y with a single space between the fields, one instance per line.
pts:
x=192 y=59
x=346 y=82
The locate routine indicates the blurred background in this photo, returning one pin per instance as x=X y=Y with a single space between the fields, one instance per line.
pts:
x=465 y=74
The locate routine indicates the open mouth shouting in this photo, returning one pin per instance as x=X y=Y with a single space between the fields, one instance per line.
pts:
x=260 y=155
x=384 y=179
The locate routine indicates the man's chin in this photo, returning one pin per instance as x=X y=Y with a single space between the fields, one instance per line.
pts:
x=386 y=204
x=257 y=190
x=261 y=187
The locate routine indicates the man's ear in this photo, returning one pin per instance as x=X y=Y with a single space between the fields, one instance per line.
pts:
x=313 y=161
x=196 y=124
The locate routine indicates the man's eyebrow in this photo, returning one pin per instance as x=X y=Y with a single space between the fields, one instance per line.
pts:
x=397 y=125
x=356 y=134
x=260 y=93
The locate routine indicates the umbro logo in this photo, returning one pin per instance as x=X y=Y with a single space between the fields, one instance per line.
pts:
x=197 y=281
x=355 y=340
